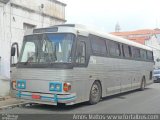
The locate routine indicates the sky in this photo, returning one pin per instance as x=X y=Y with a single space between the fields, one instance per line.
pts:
x=105 y=14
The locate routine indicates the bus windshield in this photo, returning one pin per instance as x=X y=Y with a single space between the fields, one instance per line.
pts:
x=47 y=48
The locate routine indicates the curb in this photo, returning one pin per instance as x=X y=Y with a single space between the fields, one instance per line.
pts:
x=4 y=98
x=12 y=105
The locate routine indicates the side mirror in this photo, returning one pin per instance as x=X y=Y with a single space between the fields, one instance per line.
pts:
x=13 y=51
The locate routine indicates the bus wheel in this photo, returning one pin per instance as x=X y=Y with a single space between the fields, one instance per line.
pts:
x=143 y=84
x=95 y=93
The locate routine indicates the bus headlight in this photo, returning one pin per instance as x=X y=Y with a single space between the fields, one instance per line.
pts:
x=58 y=87
x=51 y=87
x=55 y=86
x=21 y=84
x=18 y=85
x=66 y=87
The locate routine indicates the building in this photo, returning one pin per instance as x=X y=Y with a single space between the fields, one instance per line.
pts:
x=149 y=37
x=16 y=16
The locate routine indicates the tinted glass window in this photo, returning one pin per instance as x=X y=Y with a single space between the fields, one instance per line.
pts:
x=81 y=52
x=114 y=48
x=98 y=45
x=143 y=54
x=149 y=55
x=136 y=52
x=126 y=51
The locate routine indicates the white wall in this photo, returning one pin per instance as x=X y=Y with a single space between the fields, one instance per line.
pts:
x=4 y=44
x=51 y=8
x=4 y=53
x=20 y=16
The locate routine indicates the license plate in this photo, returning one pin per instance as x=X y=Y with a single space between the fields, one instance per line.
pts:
x=36 y=96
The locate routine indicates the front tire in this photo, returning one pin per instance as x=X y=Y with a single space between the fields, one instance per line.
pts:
x=95 y=93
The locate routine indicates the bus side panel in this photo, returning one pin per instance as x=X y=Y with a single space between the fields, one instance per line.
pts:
x=116 y=75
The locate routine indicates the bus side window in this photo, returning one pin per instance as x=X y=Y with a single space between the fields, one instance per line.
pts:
x=81 y=53
x=126 y=51
x=149 y=55
x=143 y=54
x=136 y=53
x=98 y=46
x=114 y=49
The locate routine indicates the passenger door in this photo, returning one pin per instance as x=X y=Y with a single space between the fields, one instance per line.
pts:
x=81 y=75
x=82 y=51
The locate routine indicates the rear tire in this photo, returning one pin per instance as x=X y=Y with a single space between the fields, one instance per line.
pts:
x=95 y=93
x=143 y=84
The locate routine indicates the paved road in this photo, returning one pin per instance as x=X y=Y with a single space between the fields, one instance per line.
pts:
x=147 y=101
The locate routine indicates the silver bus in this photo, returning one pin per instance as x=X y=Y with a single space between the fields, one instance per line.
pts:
x=70 y=64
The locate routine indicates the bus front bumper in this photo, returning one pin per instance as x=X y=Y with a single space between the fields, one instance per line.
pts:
x=51 y=99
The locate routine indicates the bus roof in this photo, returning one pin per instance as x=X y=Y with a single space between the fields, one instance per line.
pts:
x=105 y=35
x=81 y=28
